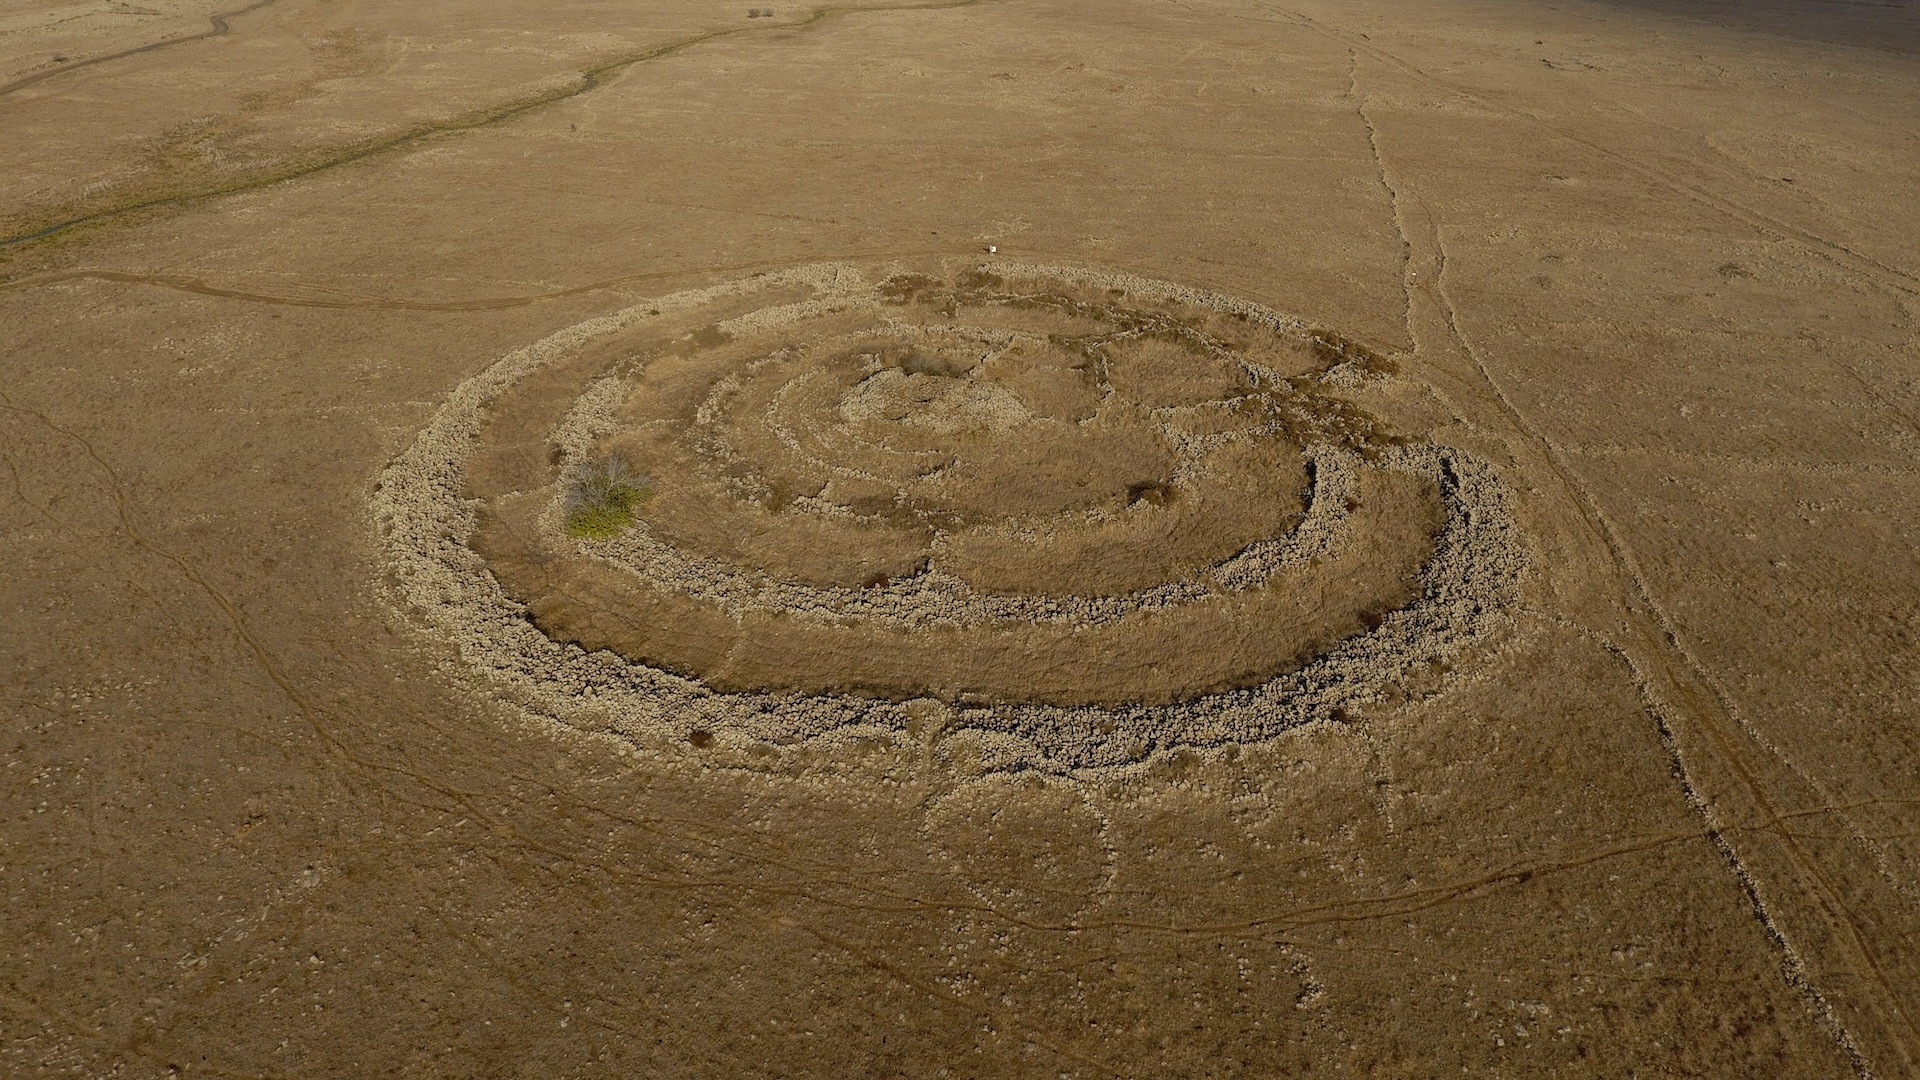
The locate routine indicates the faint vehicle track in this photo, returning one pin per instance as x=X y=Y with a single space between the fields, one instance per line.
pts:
x=1886 y=274
x=1693 y=688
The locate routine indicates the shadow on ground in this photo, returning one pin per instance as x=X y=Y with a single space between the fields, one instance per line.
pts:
x=1889 y=25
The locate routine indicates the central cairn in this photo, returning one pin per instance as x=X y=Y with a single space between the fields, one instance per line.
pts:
x=1084 y=514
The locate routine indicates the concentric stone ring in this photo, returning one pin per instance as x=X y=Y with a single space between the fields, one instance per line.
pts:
x=1091 y=514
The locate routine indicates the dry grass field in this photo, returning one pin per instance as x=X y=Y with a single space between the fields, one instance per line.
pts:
x=998 y=538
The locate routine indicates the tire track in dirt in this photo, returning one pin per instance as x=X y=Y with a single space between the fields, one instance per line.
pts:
x=1827 y=894
x=1653 y=626
x=1666 y=642
x=1386 y=184
x=1882 y=273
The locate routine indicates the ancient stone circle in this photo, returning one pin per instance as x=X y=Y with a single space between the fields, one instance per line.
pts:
x=1080 y=516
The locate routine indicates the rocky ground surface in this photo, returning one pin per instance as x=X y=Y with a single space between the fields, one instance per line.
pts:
x=1525 y=398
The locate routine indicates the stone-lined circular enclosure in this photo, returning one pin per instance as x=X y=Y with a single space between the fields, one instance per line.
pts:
x=1082 y=514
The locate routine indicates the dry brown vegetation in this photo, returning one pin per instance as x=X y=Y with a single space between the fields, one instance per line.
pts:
x=986 y=539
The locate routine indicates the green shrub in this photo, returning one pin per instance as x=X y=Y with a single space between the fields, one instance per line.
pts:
x=602 y=498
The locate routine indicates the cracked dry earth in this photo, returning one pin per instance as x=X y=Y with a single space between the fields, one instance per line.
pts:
x=1398 y=563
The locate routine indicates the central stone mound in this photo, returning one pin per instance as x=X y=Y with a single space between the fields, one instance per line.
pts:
x=1085 y=514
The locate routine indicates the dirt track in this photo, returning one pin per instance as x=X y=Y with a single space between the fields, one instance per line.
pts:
x=272 y=808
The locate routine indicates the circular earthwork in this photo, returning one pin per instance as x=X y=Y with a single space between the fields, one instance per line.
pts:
x=1081 y=515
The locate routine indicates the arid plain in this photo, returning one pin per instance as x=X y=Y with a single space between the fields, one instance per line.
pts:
x=1199 y=538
